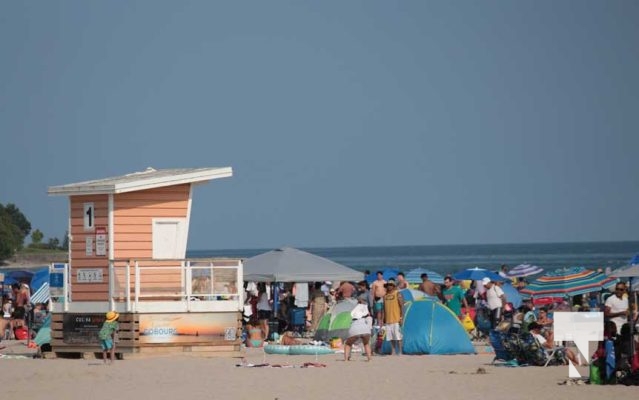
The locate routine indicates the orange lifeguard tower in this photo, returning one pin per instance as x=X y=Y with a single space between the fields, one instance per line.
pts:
x=127 y=252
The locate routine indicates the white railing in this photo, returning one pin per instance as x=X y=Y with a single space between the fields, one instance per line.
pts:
x=146 y=285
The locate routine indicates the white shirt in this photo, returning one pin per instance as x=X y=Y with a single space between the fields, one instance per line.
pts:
x=617 y=305
x=263 y=303
x=540 y=338
x=493 y=297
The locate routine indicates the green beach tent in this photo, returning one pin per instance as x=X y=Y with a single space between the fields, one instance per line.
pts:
x=336 y=322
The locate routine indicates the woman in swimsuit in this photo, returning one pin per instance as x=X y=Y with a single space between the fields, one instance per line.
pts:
x=255 y=335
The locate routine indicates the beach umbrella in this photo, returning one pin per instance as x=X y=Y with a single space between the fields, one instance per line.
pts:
x=415 y=276
x=524 y=270
x=477 y=274
x=387 y=273
x=568 y=282
x=512 y=294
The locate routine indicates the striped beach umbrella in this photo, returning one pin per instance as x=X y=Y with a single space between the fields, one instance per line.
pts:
x=415 y=276
x=568 y=282
x=524 y=270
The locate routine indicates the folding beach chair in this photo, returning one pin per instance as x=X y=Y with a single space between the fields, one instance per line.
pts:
x=536 y=354
x=505 y=346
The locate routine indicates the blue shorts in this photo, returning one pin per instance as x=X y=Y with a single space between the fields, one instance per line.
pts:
x=107 y=344
x=378 y=306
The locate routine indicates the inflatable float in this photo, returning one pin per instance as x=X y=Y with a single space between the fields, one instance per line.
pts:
x=297 y=349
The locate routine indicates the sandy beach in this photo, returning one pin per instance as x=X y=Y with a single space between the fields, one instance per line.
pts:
x=185 y=377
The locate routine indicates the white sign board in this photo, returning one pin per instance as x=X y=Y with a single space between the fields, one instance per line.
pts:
x=93 y=275
x=100 y=241
x=88 y=245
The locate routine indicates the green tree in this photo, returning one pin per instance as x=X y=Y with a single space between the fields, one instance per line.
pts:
x=36 y=236
x=21 y=225
x=53 y=243
x=65 y=241
x=9 y=236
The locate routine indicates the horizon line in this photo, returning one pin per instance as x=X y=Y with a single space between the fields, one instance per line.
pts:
x=423 y=245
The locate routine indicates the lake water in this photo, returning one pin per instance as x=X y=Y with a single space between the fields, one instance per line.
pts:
x=453 y=258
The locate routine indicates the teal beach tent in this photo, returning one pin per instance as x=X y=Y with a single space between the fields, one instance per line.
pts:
x=431 y=328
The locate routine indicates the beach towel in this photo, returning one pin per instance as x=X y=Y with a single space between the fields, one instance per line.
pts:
x=301 y=295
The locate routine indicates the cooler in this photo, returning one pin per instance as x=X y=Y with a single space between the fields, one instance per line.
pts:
x=297 y=316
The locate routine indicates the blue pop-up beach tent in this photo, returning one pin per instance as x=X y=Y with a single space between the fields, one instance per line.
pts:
x=431 y=328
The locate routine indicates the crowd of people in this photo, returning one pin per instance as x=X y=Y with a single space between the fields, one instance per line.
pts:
x=20 y=318
x=380 y=306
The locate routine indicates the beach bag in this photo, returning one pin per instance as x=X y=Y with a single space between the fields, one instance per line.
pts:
x=21 y=333
x=468 y=323
x=595 y=375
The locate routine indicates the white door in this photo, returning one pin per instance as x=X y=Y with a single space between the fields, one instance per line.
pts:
x=169 y=238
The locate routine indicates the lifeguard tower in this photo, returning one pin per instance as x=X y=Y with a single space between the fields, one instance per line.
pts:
x=127 y=252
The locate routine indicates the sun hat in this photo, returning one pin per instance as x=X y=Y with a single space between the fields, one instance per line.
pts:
x=112 y=316
x=391 y=281
x=360 y=311
x=486 y=280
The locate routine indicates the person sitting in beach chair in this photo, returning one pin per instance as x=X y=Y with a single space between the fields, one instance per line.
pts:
x=552 y=352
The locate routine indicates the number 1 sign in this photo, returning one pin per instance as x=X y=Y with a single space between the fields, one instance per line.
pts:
x=89 y=216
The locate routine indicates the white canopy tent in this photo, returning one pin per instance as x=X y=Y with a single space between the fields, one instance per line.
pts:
x=292 y=265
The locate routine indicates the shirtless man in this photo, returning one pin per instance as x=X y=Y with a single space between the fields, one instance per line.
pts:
x=402 y=283
x=377 y=292
x=431 y=288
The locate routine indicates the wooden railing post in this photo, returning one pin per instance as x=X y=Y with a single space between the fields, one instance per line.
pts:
x=188 y=277
x=111 y=285
x=128 y=285
x=137 y=285
x=65 y=287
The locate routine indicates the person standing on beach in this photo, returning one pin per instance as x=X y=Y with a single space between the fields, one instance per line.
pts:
x=378 y=291
x=496 y=300
x=616 y=306
x=360 y=329
x=264 y=311
x=318 y=305
x=401 y=281
x=431 y=289
x=107 y=335
x=393 y=316
x=454 y=297
x=363 y=295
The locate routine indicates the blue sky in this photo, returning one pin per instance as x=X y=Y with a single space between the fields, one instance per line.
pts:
x=346 y=122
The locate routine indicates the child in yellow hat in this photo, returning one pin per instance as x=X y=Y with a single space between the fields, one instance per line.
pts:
x=107 y=335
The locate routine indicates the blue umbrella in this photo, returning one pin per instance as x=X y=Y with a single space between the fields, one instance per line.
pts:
x=512 y=295
x=477 y=274
x=415 y=276
x=386 y=272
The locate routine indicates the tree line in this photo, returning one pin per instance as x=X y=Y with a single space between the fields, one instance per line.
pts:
x=15 y=227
